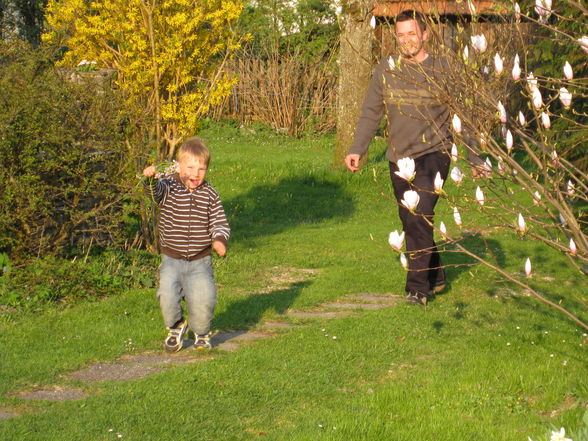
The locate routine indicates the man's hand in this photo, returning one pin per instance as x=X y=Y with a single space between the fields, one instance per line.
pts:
x=352 y=162
x=150 y=171
x=480 y=172
x=219 y=247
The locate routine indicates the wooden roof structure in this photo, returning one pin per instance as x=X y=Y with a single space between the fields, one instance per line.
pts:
x=391 y=8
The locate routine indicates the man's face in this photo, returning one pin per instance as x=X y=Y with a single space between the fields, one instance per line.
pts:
x=411 y=39
x=192 y=171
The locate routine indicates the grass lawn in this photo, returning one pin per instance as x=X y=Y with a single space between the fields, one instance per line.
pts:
x=484 y=361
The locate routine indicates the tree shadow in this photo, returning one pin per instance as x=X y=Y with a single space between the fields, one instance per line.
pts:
x=246 y=313
x=457 y=262
x=272 y=208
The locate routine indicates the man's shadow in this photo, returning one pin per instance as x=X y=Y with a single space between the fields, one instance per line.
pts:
x=273 y=208
x=246 y=313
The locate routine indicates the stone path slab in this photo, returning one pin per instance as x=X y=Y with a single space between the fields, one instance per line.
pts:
x=376 y=298
x=55 y=393
x=318 y=314
x=368 y=306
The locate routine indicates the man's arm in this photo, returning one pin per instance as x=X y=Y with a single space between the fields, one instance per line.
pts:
x=371 y=114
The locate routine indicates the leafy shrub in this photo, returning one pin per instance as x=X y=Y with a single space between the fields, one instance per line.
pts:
x=62 y=158
x=57 y=280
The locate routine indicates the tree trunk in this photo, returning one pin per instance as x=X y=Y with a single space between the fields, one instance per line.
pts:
x=355 y=70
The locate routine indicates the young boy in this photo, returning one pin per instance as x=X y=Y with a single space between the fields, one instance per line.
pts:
x=191 y=222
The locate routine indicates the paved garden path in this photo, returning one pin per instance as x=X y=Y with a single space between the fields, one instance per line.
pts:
x=131 y=367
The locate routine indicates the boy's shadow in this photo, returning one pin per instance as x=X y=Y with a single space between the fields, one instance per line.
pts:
x=272 y=208
x=246 y=313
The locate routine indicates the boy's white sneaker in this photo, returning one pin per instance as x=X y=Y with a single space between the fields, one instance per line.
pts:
x=202 y=342
x=175 y=337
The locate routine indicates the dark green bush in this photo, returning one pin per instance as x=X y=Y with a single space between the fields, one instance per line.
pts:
x=63 y=162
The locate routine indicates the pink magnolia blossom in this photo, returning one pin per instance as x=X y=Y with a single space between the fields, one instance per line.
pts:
x=509 y=140
x=479 y=196
x=517 y=11
x=536 y=198
x=391 y=63
x=522 y=120
x=498 y=64
x=456 y=175
x=406 y=169
x=531 y=80
x=396 y=240
x=528 y=267
x=438 y=183
x=403 y=261
x=456 y=216
x=454 y=153
x=573 y=249
x=584 y=43
x=545 y=120
x=456 y=123
x=516 y=69
x=442 y=228
x=479 y=43
x=487 y=165
x=411 y=200
x=536 y=98
x=554 y=158
x=373 y=22
x=501 y=113
x=521 y=224
x=568 y=71
x=543 y=9
x=466 y=53
x=500 y=167
x=570 y=188
x=565 y=97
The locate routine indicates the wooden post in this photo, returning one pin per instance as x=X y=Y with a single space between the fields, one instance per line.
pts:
x=355 y=70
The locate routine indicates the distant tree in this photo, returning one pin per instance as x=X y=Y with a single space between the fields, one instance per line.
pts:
x=22 y=19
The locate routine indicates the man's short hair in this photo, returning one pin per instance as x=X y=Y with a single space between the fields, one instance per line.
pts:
x=411 y=14
x=196 y=148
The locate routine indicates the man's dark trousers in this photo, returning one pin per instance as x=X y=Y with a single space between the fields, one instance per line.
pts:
x=424 y=263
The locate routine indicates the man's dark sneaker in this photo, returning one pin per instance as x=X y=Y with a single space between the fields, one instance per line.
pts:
x=417 y=298
x=202 y=342
x=175 y=337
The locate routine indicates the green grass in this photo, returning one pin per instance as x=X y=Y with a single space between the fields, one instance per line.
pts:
x=482 y=362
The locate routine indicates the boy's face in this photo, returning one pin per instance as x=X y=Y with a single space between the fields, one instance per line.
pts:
x=192 y=171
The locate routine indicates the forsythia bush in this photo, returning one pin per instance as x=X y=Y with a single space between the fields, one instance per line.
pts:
x=166 y=54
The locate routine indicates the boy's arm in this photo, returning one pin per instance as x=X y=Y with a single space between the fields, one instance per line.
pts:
x=153 y=187
x=219 y=226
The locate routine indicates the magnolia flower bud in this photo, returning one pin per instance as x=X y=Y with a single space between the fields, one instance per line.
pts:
x=500 y=168
x=373 y=22
x=487 y=164
x=442 y=228
x=498 y=64
x=522 y=120
x=537 y=98
x=531 y=80
x=545 y=120
x=466 y=53
x=406 y=169
x=584 y=43
x=573 y=249
x=570 y=188
x=471 y=7
x=456 y=123
x=454 y=153
x=562 y=220
x=543 y=9
x=536 y=198
x=516 y=69
x=438 y=183
x=456 y=175
x=456 y=216
x=479 y=43
x=411 y=200
x=338 y=10
x=521 y=224
x=509 y=140
x=528 y=267
x=501 y=113
x=565 y=97
x=568 y=71
x=517 y=11
x=479 y=196
x=391 y=63
x=396 y=240
x=403 y=261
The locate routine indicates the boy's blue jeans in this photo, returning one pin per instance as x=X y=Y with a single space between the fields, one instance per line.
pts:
x=194 y=282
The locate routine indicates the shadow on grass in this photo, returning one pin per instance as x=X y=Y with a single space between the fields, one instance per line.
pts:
x=247 y=313
x=272 y=208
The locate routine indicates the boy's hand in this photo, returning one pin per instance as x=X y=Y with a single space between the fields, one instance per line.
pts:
x=150 y=171
x=219 y=247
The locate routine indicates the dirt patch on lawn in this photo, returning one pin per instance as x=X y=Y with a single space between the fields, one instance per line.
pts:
x=54 y=393
x=280 y=277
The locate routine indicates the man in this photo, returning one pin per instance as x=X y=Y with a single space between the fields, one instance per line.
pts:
x=418 y=128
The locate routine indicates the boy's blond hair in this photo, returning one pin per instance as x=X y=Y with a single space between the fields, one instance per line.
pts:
x=196 y=148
